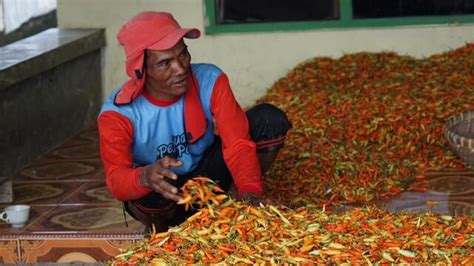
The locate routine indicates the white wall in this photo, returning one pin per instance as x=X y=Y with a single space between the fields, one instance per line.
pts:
x=253 y=61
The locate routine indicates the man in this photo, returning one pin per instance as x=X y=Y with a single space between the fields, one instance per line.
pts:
x=159 y=129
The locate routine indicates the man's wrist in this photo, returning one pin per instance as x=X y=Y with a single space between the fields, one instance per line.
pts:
x=250 y=188
x=142 y=177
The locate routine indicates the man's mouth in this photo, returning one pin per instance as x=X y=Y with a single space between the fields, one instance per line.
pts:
x=181 y=82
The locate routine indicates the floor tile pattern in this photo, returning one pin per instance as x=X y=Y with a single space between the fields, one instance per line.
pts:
x=73 y=217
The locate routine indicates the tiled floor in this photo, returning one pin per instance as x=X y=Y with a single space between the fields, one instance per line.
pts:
x=74 y=218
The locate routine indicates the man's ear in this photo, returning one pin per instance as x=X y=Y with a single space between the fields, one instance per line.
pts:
x=138 y=74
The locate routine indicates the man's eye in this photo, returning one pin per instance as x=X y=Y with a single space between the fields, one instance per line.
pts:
x=163 y=63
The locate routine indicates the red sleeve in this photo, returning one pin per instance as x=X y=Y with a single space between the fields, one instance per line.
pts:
x=115 y=140
x=238 y=149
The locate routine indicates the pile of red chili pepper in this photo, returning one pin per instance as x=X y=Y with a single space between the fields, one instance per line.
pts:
x=230 y=232
x=366 y=124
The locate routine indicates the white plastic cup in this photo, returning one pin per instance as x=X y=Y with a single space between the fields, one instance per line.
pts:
x=16 y=215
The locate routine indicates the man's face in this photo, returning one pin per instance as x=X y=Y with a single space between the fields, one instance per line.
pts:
x=167 y=72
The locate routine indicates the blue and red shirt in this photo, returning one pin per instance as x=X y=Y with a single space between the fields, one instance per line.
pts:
x=146 y=130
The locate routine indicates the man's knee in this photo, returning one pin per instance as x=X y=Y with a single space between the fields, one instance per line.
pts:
x=162 y=219
x=268 y=125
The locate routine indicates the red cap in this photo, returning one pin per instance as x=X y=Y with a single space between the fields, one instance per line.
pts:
x=147 y=30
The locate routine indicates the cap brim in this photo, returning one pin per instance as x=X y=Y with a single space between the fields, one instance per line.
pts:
x=172 y=39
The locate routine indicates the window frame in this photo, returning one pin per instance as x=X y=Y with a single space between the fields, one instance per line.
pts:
x=345 y=21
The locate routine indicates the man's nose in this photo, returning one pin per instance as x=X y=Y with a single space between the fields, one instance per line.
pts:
x=179 y=67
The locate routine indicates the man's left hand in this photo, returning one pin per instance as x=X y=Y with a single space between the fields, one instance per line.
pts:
x=254 y=199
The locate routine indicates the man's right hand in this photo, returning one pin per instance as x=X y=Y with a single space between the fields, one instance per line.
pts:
x=153 y=176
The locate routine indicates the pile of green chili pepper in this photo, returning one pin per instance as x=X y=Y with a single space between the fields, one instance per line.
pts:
x=231 y=232
x=367 y=124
